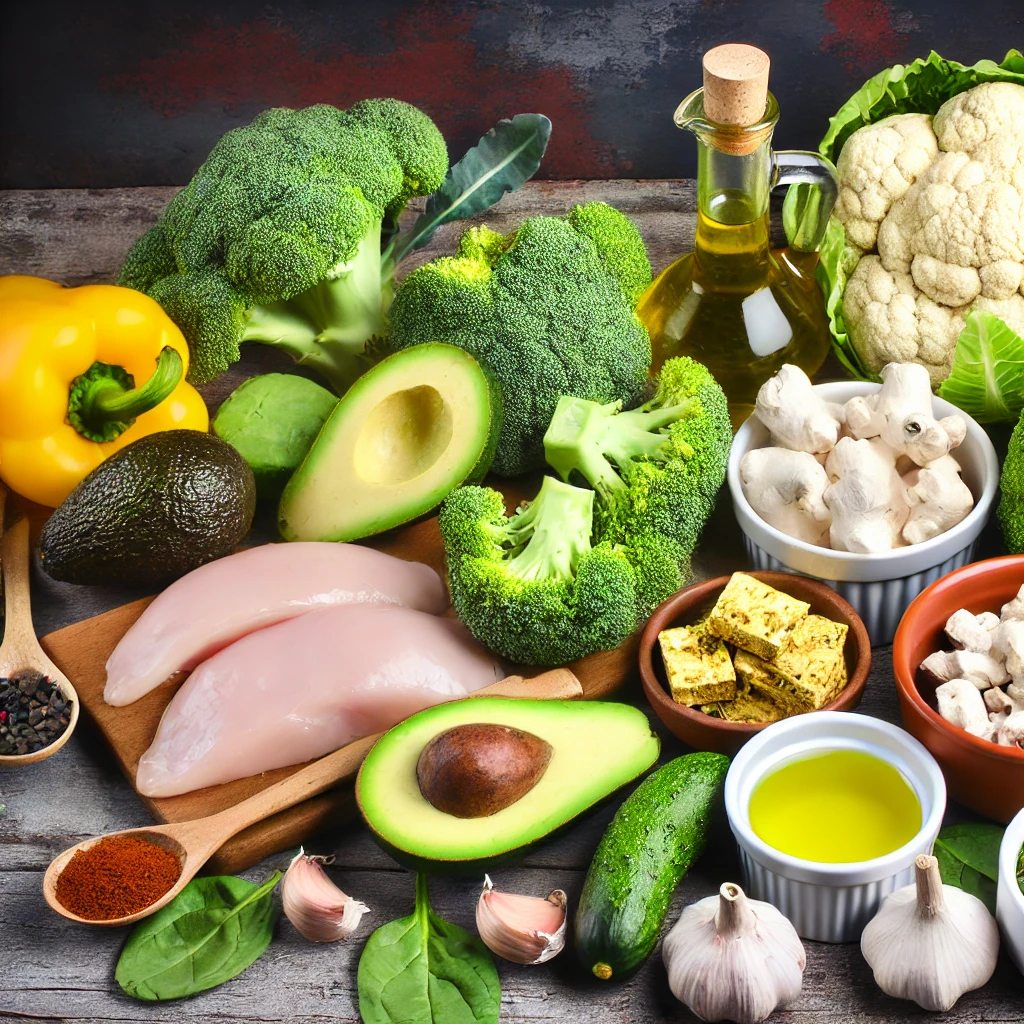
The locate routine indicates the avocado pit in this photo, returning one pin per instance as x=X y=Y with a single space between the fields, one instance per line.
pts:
x=480 y=768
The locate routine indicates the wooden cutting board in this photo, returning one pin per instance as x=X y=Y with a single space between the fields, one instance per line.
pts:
x=80 y=651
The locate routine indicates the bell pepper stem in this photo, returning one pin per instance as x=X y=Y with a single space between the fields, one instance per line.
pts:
x=104 y=402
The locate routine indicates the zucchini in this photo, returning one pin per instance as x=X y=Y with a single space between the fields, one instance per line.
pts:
x=653 y=839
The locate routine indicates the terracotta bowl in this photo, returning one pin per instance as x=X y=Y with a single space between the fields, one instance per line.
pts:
x=979 y=774
x=704 y=732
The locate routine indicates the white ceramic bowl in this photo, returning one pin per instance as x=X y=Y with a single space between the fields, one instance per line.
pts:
x=879 y=586
x=830 y=902
x=1009 y=898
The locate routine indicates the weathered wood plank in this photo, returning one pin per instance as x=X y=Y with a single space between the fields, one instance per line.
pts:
x=80 y=236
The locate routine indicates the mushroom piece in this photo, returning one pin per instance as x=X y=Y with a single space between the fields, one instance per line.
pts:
x=997 y=701
x=989 y=620
x=1008 y=643
x=967 y=633
x=1011 y=732
x=960 y=703
x=1014 y=609
x=797 y=416
x=785 y=489
x=980 y=669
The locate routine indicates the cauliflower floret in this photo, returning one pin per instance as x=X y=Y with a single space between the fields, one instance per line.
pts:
x=959 y=219
x=988 y=123
x=1010 y=311
x=876 y=167
x=891 y=321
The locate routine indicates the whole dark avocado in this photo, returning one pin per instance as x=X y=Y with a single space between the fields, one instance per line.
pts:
x=157 y=509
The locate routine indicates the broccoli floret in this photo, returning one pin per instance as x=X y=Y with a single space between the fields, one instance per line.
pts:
x=656 y=469
x=530 y=586
x=1011 y=484
x=277 y=238
x=548 y=309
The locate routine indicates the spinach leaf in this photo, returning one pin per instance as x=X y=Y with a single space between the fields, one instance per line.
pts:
x=422 y=970
x=1020 y=869
x=968 y=857
x=209 y=933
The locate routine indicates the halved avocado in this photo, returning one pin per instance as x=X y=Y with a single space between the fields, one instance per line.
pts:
x=595 y=749
x=415 y=426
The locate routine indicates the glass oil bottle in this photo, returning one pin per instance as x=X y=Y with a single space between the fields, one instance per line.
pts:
x=734 y=304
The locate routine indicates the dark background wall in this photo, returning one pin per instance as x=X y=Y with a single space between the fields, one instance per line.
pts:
x=101 y=95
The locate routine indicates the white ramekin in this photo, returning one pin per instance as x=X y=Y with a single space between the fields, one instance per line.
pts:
x=829 y=902
x=879 y=586
x=1009 y=898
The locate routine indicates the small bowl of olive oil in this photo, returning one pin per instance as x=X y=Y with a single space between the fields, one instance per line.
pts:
x=829 y=811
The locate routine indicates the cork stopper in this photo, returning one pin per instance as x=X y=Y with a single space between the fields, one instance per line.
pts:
x=735 y=84
x=736 y=91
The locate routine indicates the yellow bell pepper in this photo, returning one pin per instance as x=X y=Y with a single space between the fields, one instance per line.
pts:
x=84 y=372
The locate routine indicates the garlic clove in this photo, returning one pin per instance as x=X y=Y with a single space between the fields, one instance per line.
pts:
x=317 y=908
x=930 y=942
x=523 y=929
x=730 y=958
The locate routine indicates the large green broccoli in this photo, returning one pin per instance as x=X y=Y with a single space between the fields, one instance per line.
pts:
x=529 y=585
x=1011 y=484
x=277 y=238
x=548 y=309
x=657 y=470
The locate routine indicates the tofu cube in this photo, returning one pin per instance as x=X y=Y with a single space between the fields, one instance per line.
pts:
x=697 y=666
x=754 y=617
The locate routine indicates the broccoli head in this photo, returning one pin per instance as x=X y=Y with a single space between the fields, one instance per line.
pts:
x=530 y=586
x=277 y=238
x=1011 y=484
x=656 y=469
x=548 y=309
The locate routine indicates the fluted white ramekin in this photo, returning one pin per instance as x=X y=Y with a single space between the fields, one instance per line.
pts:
x=1009 y=898
x=879 y=586
x=830 y=902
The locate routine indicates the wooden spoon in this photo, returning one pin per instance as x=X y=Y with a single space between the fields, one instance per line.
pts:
x=194 y=842
x=20 y=649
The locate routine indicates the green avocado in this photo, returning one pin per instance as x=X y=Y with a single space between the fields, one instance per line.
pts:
x=594 y=749
x=415 y=426
x=273 y=421
x=155 y=510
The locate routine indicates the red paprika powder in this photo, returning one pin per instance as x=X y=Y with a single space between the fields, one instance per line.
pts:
x=115 y=877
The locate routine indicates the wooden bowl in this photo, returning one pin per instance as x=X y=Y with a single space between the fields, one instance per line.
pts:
x=704 y=732
x=980 y=774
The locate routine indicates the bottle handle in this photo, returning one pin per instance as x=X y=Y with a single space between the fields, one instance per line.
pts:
x=809 y=205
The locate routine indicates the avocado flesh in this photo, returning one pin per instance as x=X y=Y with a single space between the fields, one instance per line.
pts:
x=596 y=748
x=417 y=425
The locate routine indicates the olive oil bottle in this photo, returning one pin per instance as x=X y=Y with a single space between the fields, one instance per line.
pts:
x=734 y=303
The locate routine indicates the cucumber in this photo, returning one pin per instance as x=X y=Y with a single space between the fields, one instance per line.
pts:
x=654 y=837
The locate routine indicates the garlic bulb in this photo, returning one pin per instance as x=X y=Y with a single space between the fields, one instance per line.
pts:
x=733 y=958
x=930 y=942
x=523 y=929
x=320 y=911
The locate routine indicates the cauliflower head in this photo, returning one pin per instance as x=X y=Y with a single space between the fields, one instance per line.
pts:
x=876 y=167
x=937 y=207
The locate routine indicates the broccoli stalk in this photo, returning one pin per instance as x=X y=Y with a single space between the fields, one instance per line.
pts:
x=530 y=586
x=331 y=326
x=656 y=470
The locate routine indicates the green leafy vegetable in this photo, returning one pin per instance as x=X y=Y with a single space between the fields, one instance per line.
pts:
x=502 y=161
x=1020 y=869
x=209 y=933
x=422 y=970
x=968 y=857
x=987 y=379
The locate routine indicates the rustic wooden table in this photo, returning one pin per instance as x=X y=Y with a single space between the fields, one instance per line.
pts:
x=55 y=971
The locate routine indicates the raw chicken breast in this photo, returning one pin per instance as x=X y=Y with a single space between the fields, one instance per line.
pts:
x=219 y=602
x=305 y=687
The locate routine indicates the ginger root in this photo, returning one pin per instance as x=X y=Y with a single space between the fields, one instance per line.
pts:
x=900 y=413
x=938 y=499
x=785 y=489
x=866 y=498
x=797 y=416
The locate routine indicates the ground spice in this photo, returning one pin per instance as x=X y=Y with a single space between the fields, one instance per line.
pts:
x=117 y=876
